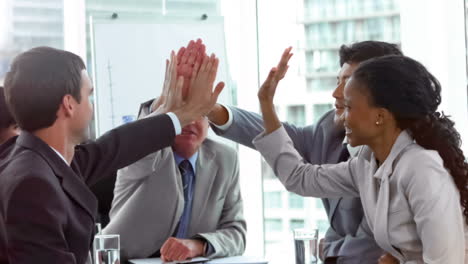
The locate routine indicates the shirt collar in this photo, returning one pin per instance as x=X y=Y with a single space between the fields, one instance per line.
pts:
x=60 y=155
x=192 y=160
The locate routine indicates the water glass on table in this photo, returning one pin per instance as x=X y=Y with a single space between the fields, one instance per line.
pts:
x=106 y=249
x=306 y=246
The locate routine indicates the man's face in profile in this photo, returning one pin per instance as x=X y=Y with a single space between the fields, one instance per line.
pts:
x=345 y=73
x=84 y=110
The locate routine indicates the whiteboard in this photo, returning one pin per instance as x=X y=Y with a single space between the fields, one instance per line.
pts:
x=129 y=57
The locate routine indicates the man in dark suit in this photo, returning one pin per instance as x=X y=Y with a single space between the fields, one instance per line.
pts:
x=347 y=241
x=47 y=211
x=8 y=126
x=8 y=129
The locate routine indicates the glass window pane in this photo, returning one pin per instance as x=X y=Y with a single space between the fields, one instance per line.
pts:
x=296 y=115
x=296 y=201
x=296 y=224
x=321 y=84
x=318 y=204
x=320 y=110
x=273 y=200
x=273 y=225
x=27 y=24
x=322 y=226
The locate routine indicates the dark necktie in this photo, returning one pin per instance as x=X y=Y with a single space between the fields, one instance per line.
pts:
x=344 y=155
x=187 y=174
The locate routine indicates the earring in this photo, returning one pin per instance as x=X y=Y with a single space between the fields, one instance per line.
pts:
x=377 y=122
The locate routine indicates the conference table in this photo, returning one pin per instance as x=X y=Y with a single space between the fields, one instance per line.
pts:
x=228 y=260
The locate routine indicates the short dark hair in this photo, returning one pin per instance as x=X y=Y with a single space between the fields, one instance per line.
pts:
x=364 y=50
x=37 y=82
x=6 y=119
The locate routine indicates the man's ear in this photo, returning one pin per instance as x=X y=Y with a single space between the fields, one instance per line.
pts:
x=68 y=105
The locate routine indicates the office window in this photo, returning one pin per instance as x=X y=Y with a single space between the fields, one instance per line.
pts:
x=273 y=200
x=321 y=84
x=273 y=225
x=318 y=204
x=322 y=226
x=296 y=224
x=267 y=172
x=296 y=201
x=320 y=110
x=28 y=24
x=322 y=61
x=296 y=115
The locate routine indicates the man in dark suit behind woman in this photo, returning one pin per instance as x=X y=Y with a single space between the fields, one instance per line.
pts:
x=8 y=126
x=46 y=209
x=8 y=129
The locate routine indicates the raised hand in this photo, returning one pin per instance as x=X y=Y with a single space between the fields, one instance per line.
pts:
x=171 y=96
x=201 y=97
x=187 y=57
x=183 y=64
x=267 y=91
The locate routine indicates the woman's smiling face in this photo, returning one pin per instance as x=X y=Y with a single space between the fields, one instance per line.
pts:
x=360 y=116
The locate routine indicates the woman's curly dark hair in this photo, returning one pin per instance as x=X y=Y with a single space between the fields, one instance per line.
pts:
x=405 y=87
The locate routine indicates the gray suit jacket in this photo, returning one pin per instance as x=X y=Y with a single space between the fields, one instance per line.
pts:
x=149 y=200
x=348 y=236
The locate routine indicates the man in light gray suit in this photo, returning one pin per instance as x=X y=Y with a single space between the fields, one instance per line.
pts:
x=183 y=201
x=348 y=239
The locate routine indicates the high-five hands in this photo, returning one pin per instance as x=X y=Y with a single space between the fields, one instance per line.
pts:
x=171 y=96
x=201 y=97
x=188 y=86
x=267 y=91
x=187 y=57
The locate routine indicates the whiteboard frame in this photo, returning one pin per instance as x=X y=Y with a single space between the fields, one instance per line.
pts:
x=147 y=19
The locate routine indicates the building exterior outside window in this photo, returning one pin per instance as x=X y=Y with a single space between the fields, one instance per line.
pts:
x=28 y=23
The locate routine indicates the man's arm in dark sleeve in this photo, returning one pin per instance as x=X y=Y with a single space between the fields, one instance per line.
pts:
x=123 y=146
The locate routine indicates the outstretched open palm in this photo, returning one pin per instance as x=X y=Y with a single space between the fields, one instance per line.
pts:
x=185 y=61
x=267 y=91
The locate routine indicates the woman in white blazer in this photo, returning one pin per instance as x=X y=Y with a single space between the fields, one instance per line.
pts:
x=411 y=174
